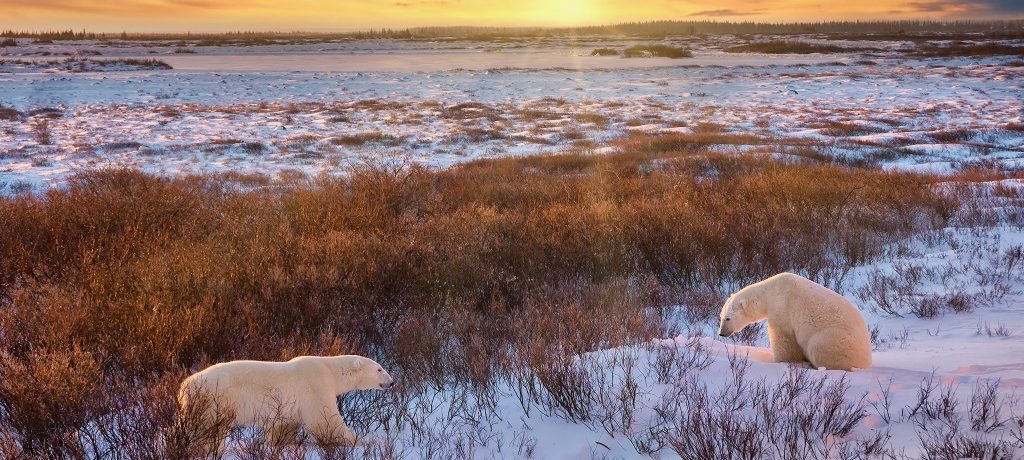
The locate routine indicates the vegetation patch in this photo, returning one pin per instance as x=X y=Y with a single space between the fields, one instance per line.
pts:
x=84 y=65
x=794 y=47
x=671 y=52
x=605 y=52
x=969 y=50
x=10 y=114
x=374 y=137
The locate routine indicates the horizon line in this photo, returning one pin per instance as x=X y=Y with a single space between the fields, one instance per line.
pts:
x=373 y=29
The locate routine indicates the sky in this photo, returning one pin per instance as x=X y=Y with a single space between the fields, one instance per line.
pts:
x=347 y=15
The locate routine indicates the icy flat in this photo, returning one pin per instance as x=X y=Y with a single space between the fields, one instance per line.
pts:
x=317 y=109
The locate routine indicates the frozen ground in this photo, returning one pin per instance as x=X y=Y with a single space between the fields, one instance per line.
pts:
x=928 y=384
x=947 y=309
x=283 y=112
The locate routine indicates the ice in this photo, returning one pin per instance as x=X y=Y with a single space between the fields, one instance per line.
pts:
x=317 y=108
x=179 y=112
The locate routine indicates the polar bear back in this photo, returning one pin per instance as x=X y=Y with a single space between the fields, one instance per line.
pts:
x=816 y=307
x=260 y=389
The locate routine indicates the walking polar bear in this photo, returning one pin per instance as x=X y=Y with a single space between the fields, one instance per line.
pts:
x=279 y=397
x=807 y=322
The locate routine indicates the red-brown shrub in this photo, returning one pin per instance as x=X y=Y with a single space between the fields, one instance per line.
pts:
x=456 y=274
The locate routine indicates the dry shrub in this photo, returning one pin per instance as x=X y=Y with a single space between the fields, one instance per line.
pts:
x=41 y=131
x=468 y=275
x=10 y=114
x=359 y=139
x=953 y=136
x=48 y=397
x=672 y=52
x=588 y=117
x=799 y=417
x=841 y=129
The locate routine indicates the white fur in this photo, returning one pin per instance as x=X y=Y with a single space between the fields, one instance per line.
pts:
x=280 y=397
x=807 y=322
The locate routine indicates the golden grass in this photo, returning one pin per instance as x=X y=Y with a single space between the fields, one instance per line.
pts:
x=140 y=279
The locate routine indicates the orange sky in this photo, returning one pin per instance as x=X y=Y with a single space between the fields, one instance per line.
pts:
x=340 y=15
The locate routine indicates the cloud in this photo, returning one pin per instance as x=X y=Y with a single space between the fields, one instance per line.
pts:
x=1006 y=6
x=931 y=7
x=953 y=7
x=725 y=12
x=942 y=6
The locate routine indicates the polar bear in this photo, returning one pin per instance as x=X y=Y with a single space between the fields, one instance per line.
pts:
x=279 y=397
x=807 y=322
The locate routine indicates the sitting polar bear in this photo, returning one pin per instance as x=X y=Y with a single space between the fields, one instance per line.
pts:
x=806 y=322
x=279 y=397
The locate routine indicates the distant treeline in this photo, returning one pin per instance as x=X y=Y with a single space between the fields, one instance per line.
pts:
x=237 y=35
x=716 y=27
x=1009 y=28
x=663 y=28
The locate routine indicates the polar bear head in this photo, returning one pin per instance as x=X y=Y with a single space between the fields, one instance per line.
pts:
x=362 y=373
x=735 y=315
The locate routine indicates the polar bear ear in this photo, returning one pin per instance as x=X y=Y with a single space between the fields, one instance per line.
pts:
x=350 y=366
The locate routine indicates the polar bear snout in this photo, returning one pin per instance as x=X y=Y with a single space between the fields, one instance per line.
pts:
x=386 y=381
x=725 y=327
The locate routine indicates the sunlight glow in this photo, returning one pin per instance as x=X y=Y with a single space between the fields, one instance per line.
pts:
x=342 y=15
x=567 y=12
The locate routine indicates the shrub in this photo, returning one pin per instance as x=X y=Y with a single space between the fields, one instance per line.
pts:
x=41 y=131
x=467 y=275
x=953 y=136
x=672 y=52
x=10 y=114
x=605 y=52
x=359 y=139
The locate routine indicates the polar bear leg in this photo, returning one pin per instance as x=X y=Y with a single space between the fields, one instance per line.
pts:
x=281 y=432
x=213 y=446
x=784 y=347
x=326 y=426
x=211 y=428
x=825 y=349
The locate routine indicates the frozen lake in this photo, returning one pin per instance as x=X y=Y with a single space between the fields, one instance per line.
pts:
x=289 y=113
x=445 y=60
x=316 y=108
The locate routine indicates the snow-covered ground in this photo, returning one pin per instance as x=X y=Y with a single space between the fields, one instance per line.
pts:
x=284 y=112
x=947 y=309
x=957 y=375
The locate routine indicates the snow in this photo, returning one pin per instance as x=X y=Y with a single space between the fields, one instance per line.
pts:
x=280 y=108
x=292 y=100
x=955 y=352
